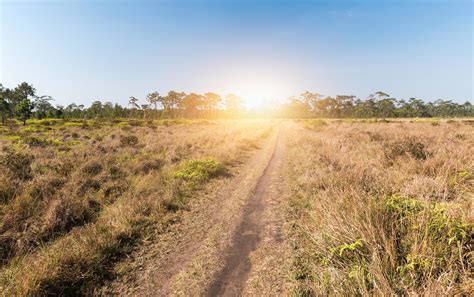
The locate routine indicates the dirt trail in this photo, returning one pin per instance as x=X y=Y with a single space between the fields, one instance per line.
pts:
x=231 y=280
x=232 y=237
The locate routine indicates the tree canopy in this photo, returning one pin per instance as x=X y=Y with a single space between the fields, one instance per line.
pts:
x=22 y=103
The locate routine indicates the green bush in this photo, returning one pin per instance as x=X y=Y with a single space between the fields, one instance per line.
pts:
x=200 y=170
x=92 y=168
x=430 y=242
x=18 y=164
x=406 y=147
x=130 y=140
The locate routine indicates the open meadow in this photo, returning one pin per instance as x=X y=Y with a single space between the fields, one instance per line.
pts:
x=236 y=148
x=282 y=207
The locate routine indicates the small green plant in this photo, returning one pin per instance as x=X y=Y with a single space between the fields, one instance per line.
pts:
x=74 y=124
x=200 y=170
x=403 y=206
x=413 y=265
x=12 y=137
x=348 y=247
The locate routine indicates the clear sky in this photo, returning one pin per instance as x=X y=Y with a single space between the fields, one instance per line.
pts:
x=81 y=51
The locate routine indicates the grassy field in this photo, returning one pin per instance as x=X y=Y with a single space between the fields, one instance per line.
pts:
x=77 y=196
x=383 y=207
x=374 y=206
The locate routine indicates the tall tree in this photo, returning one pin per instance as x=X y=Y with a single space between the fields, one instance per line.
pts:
x=23 y=91
x=191 y=104
x=43 y=107
x=211 y=100
x=174 y=100
x=154 y=98
x=4 y=105
x=24 y=110
x=133 y=102
x=311 y=100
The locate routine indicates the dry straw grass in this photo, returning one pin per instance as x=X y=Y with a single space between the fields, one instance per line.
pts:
x=76 y=197
x=383 y=208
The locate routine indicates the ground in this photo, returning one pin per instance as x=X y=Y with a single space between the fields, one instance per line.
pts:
x=227 y=246
x=231 y=208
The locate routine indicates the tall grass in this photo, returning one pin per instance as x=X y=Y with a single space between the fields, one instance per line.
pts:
x=383 y=208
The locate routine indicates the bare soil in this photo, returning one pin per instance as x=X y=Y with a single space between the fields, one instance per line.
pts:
x=231 y=280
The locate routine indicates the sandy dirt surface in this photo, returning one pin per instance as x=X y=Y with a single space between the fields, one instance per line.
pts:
x=230 y=243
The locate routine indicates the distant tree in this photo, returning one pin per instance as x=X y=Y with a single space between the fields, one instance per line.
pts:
x=95 y=110
x=381 y=95
x=4 y=105
x=386 y=107
x=154 y=98
x=173 y=101
x=327 y=106
x=191 y=103
x=58 y=112
x=74 y=111
x=211 y=100
x=133 y=102
x=23 y=91
x=119 y=111
x=43 y=107
x=145 y=108
x=344 y=105
x=297 y=108
x=418 y=107
x=24 y=110
x=311 y=99
x=234 y=104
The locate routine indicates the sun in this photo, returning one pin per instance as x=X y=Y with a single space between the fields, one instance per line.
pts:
x=260 y=94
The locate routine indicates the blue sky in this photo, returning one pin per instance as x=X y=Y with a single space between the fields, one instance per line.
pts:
x=81 y=51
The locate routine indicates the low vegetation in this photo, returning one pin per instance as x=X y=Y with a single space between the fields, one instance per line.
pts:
x=382 y=208
x=76 y=197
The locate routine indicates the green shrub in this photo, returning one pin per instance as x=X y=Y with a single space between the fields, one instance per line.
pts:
x=200 y=170
x=74 y=124
x=34 y=141
x=348 y=247
x=130 y=140
x=148 y=165
x=7 y=189
x=92 y=168
x=17 y=164
x=406 y=147
x=430 y=241
x=314 y=124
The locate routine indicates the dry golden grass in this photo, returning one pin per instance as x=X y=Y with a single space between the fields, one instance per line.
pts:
x=75 y=197
x=382 y=208
x=375 y=207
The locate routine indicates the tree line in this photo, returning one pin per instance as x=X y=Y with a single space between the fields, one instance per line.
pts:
x=377 y=105
x=22 y=103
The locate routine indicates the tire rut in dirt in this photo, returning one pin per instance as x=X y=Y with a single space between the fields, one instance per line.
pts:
x=230 y=281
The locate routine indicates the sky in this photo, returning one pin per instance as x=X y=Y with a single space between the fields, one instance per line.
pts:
x=82 y=51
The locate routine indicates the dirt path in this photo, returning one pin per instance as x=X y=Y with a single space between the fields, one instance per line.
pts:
x=231 y=280
x=230 y=243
